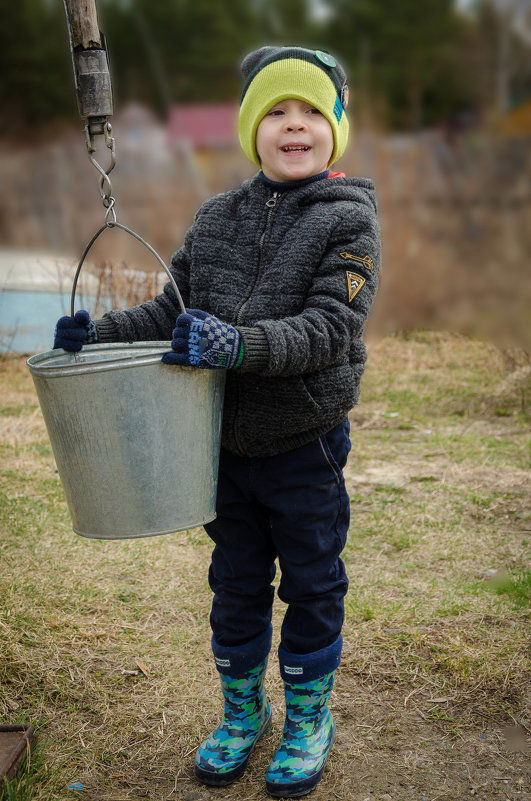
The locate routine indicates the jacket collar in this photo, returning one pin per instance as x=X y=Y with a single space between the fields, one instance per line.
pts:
x=281 y=186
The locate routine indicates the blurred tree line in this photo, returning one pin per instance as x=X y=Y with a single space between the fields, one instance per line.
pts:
x=410 y=64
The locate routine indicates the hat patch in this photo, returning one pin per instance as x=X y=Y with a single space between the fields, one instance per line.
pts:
x=325 y=58
x=338 y=109
x=354 y=284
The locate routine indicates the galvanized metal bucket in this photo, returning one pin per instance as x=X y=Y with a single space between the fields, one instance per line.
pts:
x=136 y=442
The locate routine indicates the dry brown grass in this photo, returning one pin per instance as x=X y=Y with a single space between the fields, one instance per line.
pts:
x=105 y=645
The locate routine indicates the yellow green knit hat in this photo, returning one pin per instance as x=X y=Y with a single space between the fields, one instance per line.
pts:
x=277 y=73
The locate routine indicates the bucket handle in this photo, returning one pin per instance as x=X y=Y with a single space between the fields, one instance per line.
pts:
x=114 y=224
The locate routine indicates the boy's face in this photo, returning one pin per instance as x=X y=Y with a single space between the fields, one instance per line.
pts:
x=294 y=141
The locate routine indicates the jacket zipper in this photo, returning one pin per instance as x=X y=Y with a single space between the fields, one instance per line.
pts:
x=270 y=204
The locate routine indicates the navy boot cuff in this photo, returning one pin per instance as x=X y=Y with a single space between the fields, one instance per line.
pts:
x=240 y=659
x=300 y=668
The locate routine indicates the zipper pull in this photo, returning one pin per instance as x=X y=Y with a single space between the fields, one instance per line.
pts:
x=272 y=202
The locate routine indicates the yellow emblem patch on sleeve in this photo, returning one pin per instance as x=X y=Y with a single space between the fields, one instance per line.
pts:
x=354 y=284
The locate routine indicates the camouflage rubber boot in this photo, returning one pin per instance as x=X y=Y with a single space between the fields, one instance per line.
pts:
x=308 y=736
x=222 y=757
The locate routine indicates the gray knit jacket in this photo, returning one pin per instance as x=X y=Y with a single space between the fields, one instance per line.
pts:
x=296 y=272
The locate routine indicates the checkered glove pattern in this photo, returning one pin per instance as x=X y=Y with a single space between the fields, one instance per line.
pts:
x=201 y=340
x=71 y=333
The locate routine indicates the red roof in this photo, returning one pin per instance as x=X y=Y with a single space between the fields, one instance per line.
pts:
x=204 y=126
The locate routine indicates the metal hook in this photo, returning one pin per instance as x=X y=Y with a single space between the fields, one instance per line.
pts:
x=97 y=126
x=105 y=184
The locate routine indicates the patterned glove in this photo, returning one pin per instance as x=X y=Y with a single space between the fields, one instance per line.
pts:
x=201 y=340
x=71 y=333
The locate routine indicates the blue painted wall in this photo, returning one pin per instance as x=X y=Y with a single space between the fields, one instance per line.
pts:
x=27 y=319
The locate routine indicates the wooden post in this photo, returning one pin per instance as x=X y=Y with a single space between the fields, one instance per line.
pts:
x=84 y=24
x=91 y=70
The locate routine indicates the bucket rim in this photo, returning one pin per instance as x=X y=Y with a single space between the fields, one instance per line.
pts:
x=98 y=357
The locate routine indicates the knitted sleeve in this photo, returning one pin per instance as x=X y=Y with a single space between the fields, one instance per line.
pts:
x=335 y=310
x=155 y=319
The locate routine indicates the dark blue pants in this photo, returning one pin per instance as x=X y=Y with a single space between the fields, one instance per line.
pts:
x=293 y=506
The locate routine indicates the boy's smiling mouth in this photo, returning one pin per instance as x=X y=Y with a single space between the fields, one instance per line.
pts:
x=295 y=148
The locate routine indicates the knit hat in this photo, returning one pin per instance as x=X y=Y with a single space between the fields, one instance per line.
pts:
x=277 y=73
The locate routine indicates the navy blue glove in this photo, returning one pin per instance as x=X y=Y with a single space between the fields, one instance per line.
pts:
x=71 y=333
x=201 y=340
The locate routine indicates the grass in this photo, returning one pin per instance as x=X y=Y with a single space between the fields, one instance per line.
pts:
x=105 y=645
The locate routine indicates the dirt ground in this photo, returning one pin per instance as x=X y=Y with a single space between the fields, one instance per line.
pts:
x=393 y=753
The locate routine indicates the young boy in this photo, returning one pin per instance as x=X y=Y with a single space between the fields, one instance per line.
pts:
x=280 y=276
